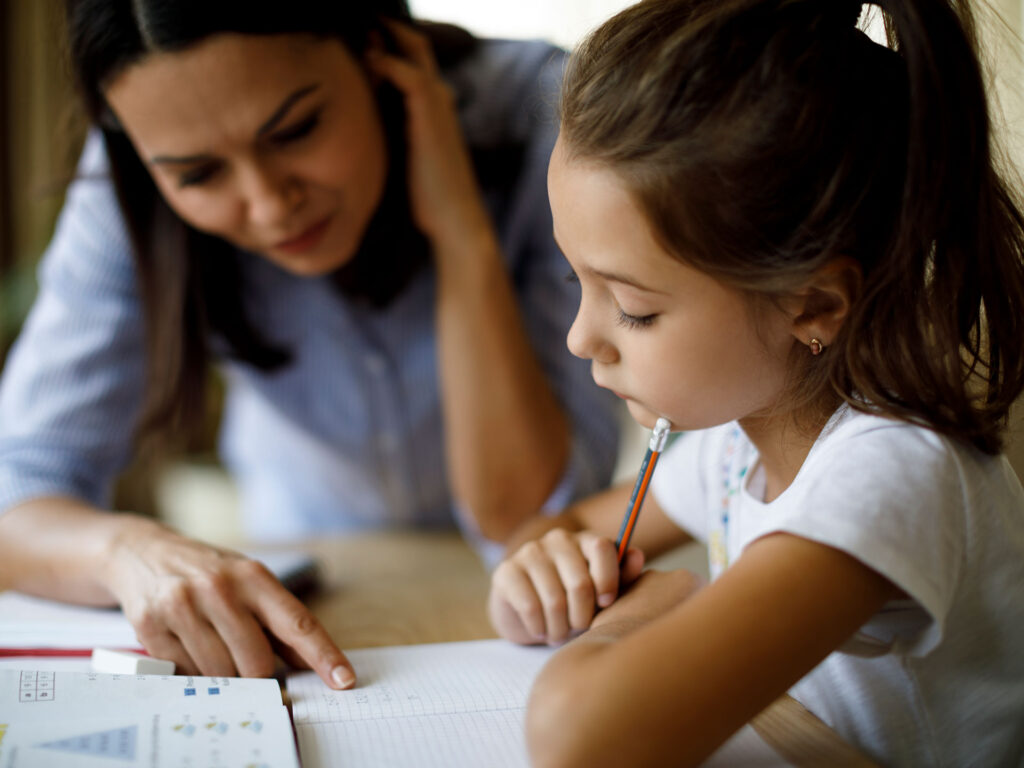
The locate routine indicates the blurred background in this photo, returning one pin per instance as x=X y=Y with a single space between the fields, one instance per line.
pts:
x=40 y=137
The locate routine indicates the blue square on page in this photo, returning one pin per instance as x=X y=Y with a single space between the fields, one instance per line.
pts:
x=190 y=691
x=213 y=691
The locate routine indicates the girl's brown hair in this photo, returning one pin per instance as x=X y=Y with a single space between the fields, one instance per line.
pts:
x=764 y=137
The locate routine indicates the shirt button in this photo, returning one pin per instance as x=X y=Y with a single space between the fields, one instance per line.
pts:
x=387 y=442
x=375 y=364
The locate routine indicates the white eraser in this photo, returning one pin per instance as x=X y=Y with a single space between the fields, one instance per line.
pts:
x=127 y=663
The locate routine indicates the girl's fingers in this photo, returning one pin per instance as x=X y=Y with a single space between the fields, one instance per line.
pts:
x=603 y=563
x=543 y=574
x=514 y=591
x=632 y=566
x=575 y=578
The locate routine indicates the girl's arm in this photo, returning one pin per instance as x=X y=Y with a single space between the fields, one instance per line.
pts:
x=209 y=610
x=670 y=671
x=496 y=399
x=567 y=568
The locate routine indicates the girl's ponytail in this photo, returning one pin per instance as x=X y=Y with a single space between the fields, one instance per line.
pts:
x=939 y=337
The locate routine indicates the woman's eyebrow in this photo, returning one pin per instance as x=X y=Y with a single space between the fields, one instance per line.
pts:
x=286 y=105
x=272 y=122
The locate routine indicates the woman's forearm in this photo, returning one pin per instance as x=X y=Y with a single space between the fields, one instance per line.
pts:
x=507 y=437
x=58 y=547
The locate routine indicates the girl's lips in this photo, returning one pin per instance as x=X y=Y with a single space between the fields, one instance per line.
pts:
x=307 y=240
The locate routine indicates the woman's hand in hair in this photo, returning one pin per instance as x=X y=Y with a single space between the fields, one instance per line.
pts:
x=212 y=611
x=446 y=202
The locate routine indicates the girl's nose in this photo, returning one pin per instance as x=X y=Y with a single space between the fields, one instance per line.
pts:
x=585 y=341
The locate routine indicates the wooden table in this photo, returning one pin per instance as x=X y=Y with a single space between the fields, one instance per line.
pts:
x=400 y=588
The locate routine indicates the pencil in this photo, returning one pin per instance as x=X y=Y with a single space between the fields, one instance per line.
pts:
x=643 y=479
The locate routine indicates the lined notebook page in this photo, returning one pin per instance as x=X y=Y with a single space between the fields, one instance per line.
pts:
x=443 y=704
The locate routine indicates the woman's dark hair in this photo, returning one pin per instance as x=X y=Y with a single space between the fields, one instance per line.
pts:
x=762 y=138
x=189 y=281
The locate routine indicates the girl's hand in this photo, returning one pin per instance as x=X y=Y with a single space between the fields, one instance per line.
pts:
x=555 y=584
x=653 y=594
x=445 y=200
x=212 y=611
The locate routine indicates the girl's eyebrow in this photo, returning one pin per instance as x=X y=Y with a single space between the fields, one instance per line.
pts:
x=269 y=125
x=614 y=277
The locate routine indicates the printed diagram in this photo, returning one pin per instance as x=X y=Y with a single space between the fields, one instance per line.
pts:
x=118 y=743
x=36 y=686
x=185 y=729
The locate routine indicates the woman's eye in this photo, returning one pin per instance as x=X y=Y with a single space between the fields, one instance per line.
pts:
x=633 y=321
x=197 y=176
x=298 y=131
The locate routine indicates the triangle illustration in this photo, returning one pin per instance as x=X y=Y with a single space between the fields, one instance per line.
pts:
x=117 y=743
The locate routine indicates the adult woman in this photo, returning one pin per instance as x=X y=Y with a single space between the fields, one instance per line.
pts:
x=300 y=205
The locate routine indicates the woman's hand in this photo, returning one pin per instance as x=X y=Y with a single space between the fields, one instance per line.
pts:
x=444 y=196
x=212 y=611
x=554 y=585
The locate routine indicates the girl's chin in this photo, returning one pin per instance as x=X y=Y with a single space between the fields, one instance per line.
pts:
x=641 y=415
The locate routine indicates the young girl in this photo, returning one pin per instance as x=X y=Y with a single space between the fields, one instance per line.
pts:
x=345 y=211
x=794 y=244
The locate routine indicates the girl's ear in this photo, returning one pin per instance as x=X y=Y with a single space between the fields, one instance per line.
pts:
x=819 y=309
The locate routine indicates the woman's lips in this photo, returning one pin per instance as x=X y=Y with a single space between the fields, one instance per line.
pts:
x=305 y=241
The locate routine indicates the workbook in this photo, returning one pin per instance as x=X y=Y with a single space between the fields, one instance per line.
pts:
x=447 y=705
x=90 y=720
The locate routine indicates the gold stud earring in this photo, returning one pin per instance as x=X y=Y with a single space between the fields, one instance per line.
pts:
x=816 y=346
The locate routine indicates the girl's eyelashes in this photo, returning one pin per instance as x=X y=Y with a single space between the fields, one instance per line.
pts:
x=298 y=131
x=634 y=321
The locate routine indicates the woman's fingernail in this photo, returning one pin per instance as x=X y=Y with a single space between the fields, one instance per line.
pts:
x=606 y=599
x=342 y=677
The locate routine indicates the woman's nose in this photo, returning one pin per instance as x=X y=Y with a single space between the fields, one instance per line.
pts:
x=271 y=197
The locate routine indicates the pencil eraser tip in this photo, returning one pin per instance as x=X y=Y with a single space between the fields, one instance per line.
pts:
x=127 y=663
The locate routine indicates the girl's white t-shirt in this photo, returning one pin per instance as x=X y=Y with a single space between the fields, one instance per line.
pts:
x=935 y=680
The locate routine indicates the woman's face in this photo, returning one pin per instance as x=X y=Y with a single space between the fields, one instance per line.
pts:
x=273 y=143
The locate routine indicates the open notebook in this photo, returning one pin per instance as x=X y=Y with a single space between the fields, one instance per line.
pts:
x=444 y=704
